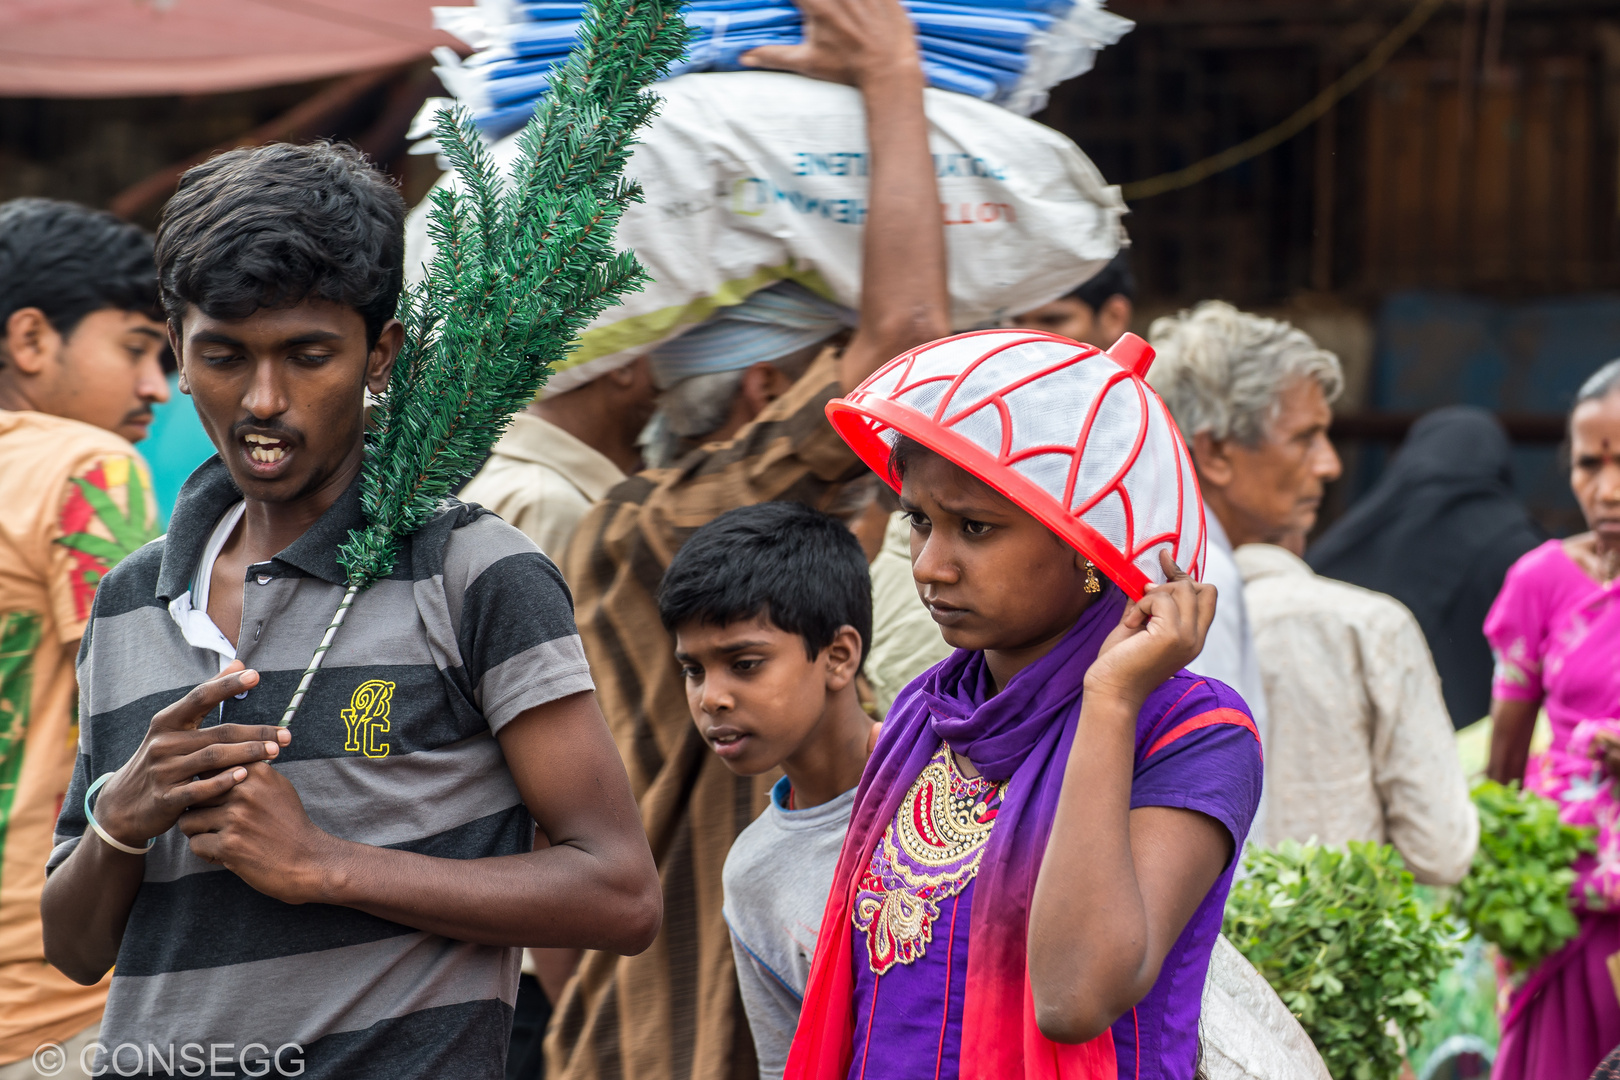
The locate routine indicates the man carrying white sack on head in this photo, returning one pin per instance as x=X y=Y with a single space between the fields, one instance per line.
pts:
x=742 y=418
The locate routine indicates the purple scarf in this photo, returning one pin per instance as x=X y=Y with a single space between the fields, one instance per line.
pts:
x=1023 y=735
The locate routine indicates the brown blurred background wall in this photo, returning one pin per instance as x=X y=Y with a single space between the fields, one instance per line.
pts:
x=127 y=153
x=1467 y=191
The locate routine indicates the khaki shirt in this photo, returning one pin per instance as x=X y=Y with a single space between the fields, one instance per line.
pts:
x=542 y=480
x=74 y=500
x=673 y=1012
x=1360 y=746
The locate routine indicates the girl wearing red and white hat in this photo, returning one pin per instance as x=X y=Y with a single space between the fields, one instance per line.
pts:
x=1043 y=840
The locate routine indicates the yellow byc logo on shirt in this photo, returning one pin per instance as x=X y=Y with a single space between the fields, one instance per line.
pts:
x=367 y=717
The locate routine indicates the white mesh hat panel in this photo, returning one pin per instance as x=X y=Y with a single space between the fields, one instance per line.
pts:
x=1049 y=471
x=983 y=426
x=1156 y=495
x=1107 y=451
x=1071 y=434
x=1108 y=518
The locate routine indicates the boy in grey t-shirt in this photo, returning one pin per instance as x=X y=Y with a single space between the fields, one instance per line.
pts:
x=771 y=608
x=776 y=881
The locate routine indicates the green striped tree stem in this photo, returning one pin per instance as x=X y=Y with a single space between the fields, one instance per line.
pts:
x=320 y=654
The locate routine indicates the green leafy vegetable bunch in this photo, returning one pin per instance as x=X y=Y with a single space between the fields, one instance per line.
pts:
x=1341 y=935
x=1516 y=894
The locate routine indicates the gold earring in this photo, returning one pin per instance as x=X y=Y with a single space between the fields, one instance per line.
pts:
x=1092 y=584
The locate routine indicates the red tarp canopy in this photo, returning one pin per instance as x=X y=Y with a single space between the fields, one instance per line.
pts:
x=135 y=48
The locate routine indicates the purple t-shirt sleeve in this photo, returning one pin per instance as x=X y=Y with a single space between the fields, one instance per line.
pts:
x=1197 y=748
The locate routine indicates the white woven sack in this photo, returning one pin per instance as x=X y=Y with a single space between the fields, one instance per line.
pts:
x=1245 y=1031
x=754 y=177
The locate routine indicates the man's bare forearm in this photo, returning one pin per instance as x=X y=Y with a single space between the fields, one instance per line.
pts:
x=558 y=897
x=904 y=298
x=86 y=906
x=555 y=897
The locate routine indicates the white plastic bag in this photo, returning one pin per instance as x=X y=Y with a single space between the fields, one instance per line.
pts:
x=1010 y=52
x=1245 y=1031
x=755 y=177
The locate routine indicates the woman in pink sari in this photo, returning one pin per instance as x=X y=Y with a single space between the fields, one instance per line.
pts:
x=1555 y=630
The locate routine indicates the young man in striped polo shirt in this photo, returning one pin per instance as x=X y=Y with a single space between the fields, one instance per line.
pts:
x=344 y=899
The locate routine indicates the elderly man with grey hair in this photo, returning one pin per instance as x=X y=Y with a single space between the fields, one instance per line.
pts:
x=1358 y=744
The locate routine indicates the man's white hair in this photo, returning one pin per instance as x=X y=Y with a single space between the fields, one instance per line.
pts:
x=1221 y=370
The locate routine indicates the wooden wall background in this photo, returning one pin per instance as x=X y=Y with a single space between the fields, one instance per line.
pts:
x=1477 y=159
x=1498 y=185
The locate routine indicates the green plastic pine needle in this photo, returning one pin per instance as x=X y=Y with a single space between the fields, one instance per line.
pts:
x=521 y=265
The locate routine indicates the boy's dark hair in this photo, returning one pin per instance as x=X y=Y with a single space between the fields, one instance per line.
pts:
x=800 y=568
x=69 y=260
x=271 y=226
x=1115 y=279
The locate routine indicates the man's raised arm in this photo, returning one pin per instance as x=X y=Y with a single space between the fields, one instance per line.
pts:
x=869 y=44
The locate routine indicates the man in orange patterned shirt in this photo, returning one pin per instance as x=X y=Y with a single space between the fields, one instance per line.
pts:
x=80 y=341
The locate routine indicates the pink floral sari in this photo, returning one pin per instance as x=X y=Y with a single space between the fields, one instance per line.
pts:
x=1556 y=635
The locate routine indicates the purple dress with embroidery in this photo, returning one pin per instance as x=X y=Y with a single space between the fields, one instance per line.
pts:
x=920 y=880
x=1195 y=749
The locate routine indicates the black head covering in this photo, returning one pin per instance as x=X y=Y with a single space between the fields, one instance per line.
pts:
x=1438 y=532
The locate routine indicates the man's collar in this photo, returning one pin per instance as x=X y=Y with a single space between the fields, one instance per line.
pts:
x=1215 y=530
x=315 y=553
x=202 y=501
x=537 y=441
x=1256 y=561
x=210 y=492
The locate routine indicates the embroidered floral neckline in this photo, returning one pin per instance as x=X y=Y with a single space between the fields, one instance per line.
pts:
x=928 y=854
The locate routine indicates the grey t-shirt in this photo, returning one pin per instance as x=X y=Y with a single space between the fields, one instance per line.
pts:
x=395 y=746
x=776 y=881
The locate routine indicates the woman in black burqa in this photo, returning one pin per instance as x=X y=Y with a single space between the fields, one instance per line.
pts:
x=1438 y=532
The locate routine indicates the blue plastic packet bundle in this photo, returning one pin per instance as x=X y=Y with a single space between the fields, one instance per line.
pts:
x=1006 y=51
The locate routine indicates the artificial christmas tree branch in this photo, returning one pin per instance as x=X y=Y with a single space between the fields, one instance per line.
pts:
x=519 y=269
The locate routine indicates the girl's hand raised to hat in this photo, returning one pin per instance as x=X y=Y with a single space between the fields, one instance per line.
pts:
x=1157 y=636
x=857 y=42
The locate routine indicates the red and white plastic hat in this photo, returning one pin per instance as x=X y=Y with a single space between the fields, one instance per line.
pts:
x=1071 y=434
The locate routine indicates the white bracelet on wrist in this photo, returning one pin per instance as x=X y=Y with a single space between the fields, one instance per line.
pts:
x=105 y=836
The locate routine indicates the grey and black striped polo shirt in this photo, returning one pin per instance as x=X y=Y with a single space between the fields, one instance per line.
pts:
x=394 y=746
